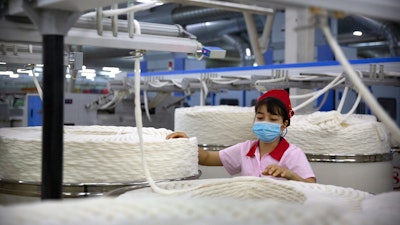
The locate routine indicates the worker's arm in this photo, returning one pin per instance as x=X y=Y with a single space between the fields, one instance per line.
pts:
x=206 y=158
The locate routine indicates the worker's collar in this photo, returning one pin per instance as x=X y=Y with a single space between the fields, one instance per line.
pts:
x=277 y=153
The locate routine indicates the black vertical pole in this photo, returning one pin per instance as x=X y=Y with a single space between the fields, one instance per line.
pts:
x=53 y=116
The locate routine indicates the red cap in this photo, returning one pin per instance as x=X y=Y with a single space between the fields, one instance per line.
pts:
x=282 y=95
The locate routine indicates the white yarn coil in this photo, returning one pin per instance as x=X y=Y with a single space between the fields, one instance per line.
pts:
x=334 y=133
x=213 y=125
x=270 y=202
x=170 y=210
x=255 y=188
x=98 y=154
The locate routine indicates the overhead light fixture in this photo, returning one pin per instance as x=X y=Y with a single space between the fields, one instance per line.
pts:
x=88 y=73
x=110 y=71
x=6 y=73
x=3 y=63
x=248 y=52
x=24 y=71
x=357 y=33
x=150 y=1
x=14 y=75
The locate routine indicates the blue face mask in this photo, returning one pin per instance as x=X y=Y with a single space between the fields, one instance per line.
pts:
x=266 y=131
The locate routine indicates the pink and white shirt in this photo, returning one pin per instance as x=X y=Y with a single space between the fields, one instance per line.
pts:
x=244 y=158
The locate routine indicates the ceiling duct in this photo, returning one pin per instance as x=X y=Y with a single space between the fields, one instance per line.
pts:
x=191 y=15
x=219 y=29
x=212 y=31
x=386 y=29
x=173 y=14
x=240 y=46
x=219 y=22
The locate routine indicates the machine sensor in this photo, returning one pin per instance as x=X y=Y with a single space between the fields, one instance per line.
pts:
x=213 y=52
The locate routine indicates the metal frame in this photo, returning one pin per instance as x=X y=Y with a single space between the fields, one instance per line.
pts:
x=388 y=74
x=12 y=32
x=383 y=9
x=75 y=190
x=353 y=158
x=54 y=18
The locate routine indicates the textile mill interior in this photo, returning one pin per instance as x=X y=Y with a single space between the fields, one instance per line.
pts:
x=199 y=112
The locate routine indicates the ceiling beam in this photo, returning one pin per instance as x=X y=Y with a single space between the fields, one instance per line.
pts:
x=12 y=32
x=241 y=6
x=382 y=9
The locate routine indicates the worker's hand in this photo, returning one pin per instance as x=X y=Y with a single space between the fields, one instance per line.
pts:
x=177 y=135
x=277 y=171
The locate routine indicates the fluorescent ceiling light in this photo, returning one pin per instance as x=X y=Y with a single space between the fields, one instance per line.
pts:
x=248 y=52
x=24 y=71
x=87 y=70
x=3 y=63
x=111 y=69
x=149 y=1
x=6 y=73
x=357 y=33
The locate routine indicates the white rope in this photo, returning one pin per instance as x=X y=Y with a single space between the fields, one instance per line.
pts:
x=139 y=123
x=146 y=105
x=118 y=95
x=37 y=85
x=203 y=92
x=223 y=80
x=177 y=83
x=302 y=77
x=159 y=84
x=363 y=90
x=304 y=95
x=259 y=82
x=323 y=101
x=335 y=82
x=343 y=99
x=353 y=109
x=345 y=93
x=138 y=114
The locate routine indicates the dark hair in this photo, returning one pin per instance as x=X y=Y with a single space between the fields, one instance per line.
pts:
x=274 y=106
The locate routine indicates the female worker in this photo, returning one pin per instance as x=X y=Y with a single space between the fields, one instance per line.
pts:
x=271 y=154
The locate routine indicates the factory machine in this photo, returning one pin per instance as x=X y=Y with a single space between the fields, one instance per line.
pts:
x=162 y=92
x=242 y=86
